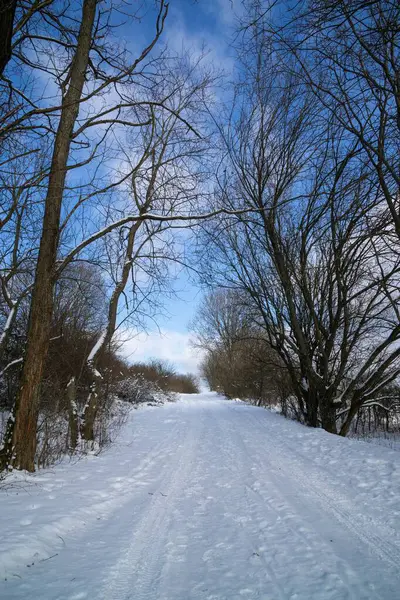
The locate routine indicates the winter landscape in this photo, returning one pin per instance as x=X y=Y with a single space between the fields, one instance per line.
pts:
x=209 y=499
x=199 y=299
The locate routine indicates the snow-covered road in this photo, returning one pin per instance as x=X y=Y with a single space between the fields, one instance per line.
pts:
x=211 y=500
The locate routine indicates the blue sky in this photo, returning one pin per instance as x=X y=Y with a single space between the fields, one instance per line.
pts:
x=190 y=25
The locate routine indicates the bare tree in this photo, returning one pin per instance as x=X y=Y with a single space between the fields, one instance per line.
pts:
x=14 y=20
x=7 y=14
x=238 y=360
x=306 y=259
x=20 y=439
x=166 y=180
x=347 y=54
x=21 y=443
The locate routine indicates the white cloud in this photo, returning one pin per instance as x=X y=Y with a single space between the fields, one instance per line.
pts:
x=213 y=48
x=228 y=11
x=167 y=345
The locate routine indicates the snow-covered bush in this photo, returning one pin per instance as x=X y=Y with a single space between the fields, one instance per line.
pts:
x=137 y=390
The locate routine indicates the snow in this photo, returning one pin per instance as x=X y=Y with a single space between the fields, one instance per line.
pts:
x=207 y=499
x=304 y=384
x=10 y=364
x=97 y=347
x=8 y=323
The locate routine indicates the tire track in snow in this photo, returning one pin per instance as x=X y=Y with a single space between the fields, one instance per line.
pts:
x=76 y=522
x=137 y=573
x=264 y=510
x=306 y=487
x=238 y=463
x=336 y=503
x=312 y=539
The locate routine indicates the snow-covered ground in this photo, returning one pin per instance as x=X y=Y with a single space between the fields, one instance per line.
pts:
x=208 y=499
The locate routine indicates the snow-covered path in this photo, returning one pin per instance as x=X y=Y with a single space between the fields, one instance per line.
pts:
x=211 y=500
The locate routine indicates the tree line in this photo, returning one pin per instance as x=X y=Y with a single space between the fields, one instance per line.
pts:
x=277 y=186
x=308 y=277
x=101 y=162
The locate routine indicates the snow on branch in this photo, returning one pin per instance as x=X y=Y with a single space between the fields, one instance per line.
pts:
x=97 y=346
x=8 y=323
x=11 y=364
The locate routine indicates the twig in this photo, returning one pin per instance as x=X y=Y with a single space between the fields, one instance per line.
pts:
x=44 y=559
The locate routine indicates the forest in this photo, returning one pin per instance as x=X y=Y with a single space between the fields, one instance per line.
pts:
x=275 y=186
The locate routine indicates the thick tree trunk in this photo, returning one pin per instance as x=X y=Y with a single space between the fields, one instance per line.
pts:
x=20 y=450
x=344 y=430
x=312 y=415
x=328 y=416
x=311 y=401
x=7 y=13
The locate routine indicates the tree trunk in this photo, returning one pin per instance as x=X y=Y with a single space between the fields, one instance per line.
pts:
x=312 y=415
x=357 y=421
x=7 y=13
x=311 y=401
x=20 y=449
x=328 y=416
x=73 y=413
x=91 y=408
x=344 y=430
x=4 y=337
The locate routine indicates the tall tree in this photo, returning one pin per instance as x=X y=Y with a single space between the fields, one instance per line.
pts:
x=77 y=96
x=7 y=14
x=21 y=443
x=166 y=180
x=305 y=254
x=347 y=54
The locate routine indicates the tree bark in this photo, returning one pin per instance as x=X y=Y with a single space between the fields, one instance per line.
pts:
x=73 y=413
x=20 y=449
x=344 y=430
x=312 y=409
x=7 y=13
x=328 y=416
